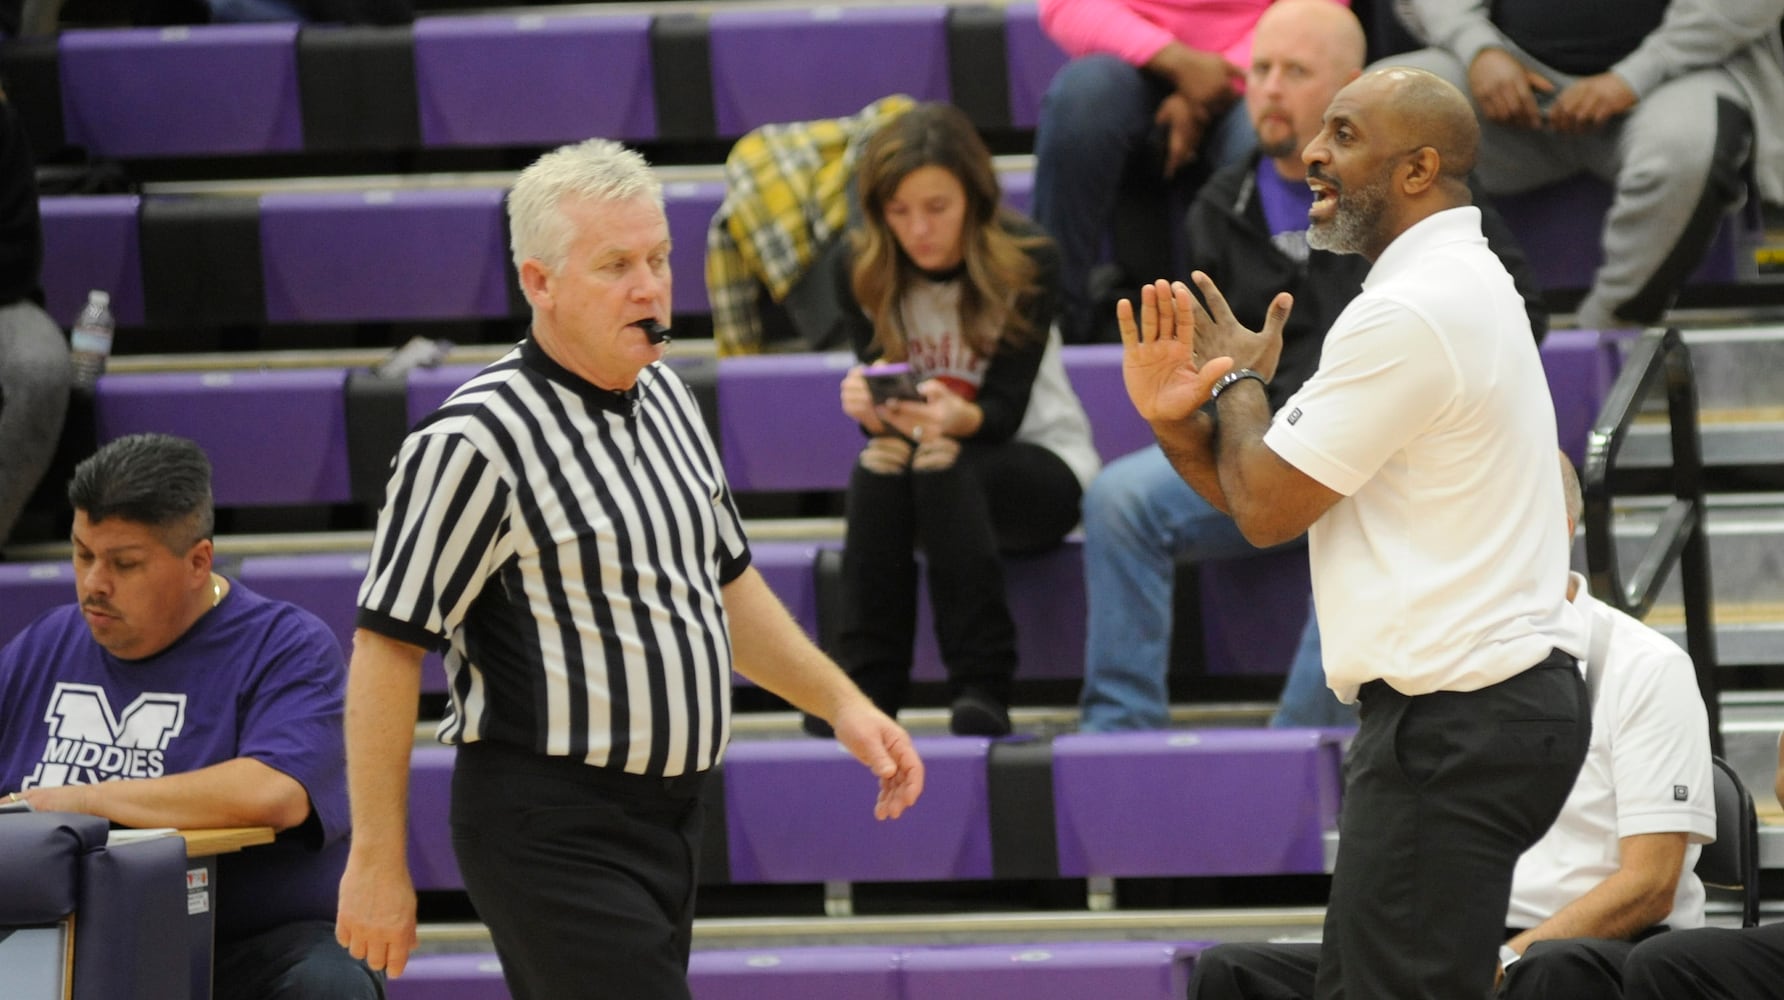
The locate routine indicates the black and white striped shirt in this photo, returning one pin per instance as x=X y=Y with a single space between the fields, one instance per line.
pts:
x=565 y=545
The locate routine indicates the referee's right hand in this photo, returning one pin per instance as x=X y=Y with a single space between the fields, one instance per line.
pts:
x=376 y=918
x=886 y=749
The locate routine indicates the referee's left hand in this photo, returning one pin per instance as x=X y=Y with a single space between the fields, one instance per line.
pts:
x=886 y=749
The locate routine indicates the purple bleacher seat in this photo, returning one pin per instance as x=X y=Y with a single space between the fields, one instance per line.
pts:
x=449 y=977
x=273 y=437
x=429 y=387
x=1095 y=370
x=326 y=584
x=1033 y=58
x=1018 y=189
x=478 y=79
x=1561 y=225
x=27 y=590
x=1253 y=610
x=1215 y=801
x=1046 y=596
x=780 y=425
x=690 y=206
x=1064 y=970
x=802 y=811
x=1581 y=365
x=807 y=973
x=786 y=65
x=787 y=569
x=91 y=242
x=182 y=91
x=431 y=861
x=384 y=255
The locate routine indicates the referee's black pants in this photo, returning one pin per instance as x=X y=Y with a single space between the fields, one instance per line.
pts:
x=1442 y=793
x=585 y=876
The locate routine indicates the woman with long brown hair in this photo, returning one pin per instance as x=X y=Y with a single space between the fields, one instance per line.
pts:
x=995 y=454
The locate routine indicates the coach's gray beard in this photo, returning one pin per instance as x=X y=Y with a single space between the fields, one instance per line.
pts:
x=1351 y=229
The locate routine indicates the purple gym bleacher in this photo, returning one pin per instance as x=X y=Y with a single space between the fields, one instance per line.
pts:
x=802 y=811
x=153 y=92
x=1195 y=802
x=330 y=257
x=797 y=64
x=1033 y=57
x=92 y=242
x=478 y=79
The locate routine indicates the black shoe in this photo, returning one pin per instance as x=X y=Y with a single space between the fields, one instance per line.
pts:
x=976 y=713
x=815 y=726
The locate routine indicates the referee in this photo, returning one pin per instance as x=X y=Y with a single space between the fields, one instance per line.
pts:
x=561 y=529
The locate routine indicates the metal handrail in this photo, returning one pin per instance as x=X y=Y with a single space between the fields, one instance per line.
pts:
x=1681 y=537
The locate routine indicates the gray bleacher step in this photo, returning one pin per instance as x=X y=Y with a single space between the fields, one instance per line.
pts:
x=1219 y=924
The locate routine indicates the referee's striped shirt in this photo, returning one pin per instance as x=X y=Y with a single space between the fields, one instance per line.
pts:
x=565 y=545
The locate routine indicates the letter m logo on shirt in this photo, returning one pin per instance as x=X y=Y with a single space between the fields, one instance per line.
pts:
x=81 y=722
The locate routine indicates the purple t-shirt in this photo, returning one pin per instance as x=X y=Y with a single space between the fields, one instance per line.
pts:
x=252 y=678
x=1285 y=206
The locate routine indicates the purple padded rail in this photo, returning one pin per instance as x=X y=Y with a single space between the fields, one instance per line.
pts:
x=1561 y=225
x=384 y=255
x=326 y=584
x=449 y=977
x=1581 y=366
x=91 y=242
x=690 y=206
x=809 y=973
x=274 y=437
x=802 y=811
x=1033 y=59
x=27 y=590
x=478 y=79
x=1065 y=970
x=182 y=91
x=1216 y=802
x=431 y=861
x=788 y=65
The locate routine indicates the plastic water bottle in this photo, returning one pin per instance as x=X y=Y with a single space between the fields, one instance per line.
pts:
x=91 y=342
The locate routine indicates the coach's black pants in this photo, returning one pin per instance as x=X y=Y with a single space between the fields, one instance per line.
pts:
x=1709 y=963
x=585 y=876
x=1442 y=792
x=1571 y=969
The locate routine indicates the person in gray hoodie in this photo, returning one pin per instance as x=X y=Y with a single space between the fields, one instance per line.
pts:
x=1668 y=101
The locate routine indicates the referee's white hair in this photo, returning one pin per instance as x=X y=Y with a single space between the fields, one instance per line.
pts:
x=595 y=170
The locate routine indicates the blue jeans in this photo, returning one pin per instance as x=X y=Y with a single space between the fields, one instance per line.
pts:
x=1096 y=114
x=1140 y=517
x=295 y=961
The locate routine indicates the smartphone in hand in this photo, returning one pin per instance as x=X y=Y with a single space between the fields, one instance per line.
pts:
x=887 y=382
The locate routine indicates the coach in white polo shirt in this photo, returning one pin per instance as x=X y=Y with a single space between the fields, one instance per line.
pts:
x=1419 y=457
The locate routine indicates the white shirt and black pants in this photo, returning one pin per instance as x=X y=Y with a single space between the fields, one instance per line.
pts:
x=1437 y=581
x=566 y=545
x=1647 y=772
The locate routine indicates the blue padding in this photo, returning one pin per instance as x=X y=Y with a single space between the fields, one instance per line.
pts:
x=131 y=937
x=39 y=859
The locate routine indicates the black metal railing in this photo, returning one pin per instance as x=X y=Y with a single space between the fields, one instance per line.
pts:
x=1658 y=357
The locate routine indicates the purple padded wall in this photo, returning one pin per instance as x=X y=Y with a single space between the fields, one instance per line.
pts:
x=384 y=255
x=431 y=861
x=1065 y=970
x=1216 y=802
x=825 y=62
x=479 y=80
x=690 y=206
x=91 y=242
x=27 y=590
x=182 y=91
x=449 y=977
x=810 y=973
x=273 y=437
x=1033 y=59
x=802 y=811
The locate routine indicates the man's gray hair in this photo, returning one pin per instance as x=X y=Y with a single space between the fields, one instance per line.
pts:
x=596 y=170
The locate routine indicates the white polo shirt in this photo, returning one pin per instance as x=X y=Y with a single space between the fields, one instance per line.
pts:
x=1430 y=413
x=1647 y=771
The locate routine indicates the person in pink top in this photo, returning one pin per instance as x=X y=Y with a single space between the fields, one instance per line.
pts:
x=1148 y=106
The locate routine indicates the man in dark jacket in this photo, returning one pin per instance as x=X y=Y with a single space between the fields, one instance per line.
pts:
x=1247 y=230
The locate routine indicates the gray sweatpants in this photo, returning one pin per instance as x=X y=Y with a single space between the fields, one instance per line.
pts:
x=1674 y=163
x=34 y=380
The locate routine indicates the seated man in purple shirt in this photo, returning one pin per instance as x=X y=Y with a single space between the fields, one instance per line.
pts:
x=170 y=696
